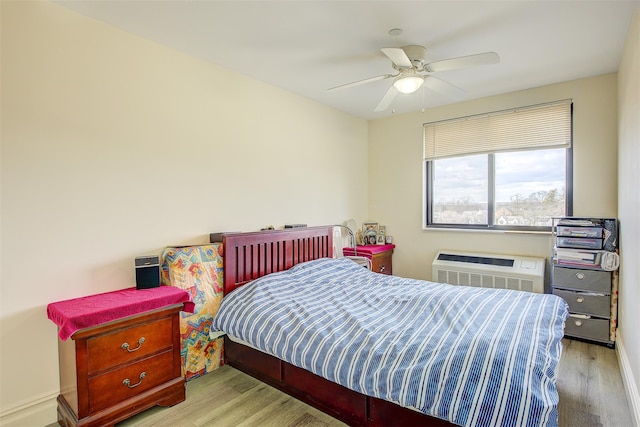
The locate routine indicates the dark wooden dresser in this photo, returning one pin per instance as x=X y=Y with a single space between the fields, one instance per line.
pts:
x=381 y=256
x=117 y=369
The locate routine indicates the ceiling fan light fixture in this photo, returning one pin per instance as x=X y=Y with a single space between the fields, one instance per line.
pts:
x=408 y=83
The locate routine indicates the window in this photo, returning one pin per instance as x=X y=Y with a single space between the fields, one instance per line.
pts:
x=509 y=170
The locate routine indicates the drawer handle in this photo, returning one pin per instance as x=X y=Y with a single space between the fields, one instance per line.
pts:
x=125 y=346
x=578 y=322
x=382 y=267
x=127 y=382
x=580 y=299
x=580 y=275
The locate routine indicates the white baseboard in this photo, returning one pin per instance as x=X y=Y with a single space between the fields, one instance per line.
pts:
x=630 y=385
x=40 y=411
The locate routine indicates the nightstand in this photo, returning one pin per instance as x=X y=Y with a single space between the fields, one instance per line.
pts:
x=115 y=369
x=381 y=256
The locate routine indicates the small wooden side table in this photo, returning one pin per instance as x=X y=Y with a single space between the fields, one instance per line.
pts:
x=116 y=369
x=381 y=256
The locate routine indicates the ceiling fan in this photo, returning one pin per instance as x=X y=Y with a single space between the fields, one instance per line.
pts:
x=410 y=62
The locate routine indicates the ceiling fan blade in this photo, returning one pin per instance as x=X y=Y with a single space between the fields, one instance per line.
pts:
x=444 y=88
x=397 y=56
x=360 y=82
x=463 y=62
x=387 y=99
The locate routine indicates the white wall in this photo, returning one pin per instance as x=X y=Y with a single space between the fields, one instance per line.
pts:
x=396 y=172
x=629 y=212
x=114 y=147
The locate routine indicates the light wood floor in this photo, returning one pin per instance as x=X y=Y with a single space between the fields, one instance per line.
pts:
x=589 y=385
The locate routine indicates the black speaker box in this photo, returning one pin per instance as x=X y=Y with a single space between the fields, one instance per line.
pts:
x=147 y=272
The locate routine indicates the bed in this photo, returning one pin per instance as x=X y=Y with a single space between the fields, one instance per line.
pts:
x=456 y=356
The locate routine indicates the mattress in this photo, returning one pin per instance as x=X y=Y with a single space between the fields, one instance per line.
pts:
x=241 y=341
x=471 y=356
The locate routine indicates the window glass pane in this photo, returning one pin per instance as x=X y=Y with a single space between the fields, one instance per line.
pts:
x=530 y=187
x=460 y=190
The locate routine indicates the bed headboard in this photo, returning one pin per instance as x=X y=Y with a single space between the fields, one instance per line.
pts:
x=248 y=256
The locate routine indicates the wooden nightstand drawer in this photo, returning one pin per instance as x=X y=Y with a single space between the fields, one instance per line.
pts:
x=110 y=350
x=585 y=280
x=579 y=302
x=382 y=263
x=118 y=385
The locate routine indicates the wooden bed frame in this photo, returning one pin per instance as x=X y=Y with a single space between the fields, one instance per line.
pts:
x=248 y=256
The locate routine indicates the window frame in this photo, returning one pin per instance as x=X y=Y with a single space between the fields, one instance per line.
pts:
x=491 y=226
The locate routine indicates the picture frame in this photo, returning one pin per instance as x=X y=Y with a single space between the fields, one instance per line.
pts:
x=369 y=226
x=369 y=233
x=370 y=238
x=381 y=237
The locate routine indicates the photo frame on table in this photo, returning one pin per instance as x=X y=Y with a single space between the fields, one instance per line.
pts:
x=369 y=233
x=373 y=233
x=370 y=226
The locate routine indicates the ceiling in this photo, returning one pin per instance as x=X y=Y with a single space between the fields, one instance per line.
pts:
x=307 y=47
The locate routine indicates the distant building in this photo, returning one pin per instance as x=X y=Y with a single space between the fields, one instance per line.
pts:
x=510 y=220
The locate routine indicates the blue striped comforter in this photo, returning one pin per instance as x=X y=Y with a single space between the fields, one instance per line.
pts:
x=472 y=356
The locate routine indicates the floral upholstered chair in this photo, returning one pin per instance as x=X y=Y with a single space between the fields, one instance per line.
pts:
x=198 y=270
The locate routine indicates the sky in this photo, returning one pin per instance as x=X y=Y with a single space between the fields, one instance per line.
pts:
x=522 y=172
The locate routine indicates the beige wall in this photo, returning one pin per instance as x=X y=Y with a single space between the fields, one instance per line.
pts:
x=396 y=172
x=107 y=138
x=629 y=212
x=113 y=147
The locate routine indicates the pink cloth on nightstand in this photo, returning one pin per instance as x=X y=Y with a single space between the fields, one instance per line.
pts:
x=367 y=250
x=80 y=313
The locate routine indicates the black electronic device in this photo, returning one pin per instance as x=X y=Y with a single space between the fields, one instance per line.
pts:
x=147 y=272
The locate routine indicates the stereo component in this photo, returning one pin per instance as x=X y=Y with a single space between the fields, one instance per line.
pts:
x=147 y=272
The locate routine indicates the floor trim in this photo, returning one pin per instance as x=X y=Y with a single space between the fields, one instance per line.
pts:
x=630 y=386
x=36 y=412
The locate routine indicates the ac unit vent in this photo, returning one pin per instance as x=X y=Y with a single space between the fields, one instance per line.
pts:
x=489 y=271
x=477 y=259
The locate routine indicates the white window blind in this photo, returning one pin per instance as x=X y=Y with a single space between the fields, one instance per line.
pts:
x=540 y=126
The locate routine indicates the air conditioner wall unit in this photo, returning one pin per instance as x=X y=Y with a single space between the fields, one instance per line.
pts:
x=489 y=270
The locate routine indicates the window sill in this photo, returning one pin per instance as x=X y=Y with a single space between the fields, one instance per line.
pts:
x=485 y=230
